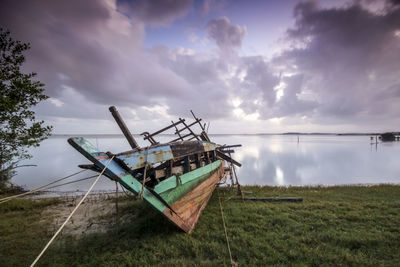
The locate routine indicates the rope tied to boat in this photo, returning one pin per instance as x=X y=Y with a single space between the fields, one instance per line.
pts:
x=72 y=213
x=144 y=174
x=233 y=263
x=178 y=178
x=3 y=200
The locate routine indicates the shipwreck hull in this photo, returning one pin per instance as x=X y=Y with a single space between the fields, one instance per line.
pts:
x=180 y=198
x=192 y=204
x=183 y=199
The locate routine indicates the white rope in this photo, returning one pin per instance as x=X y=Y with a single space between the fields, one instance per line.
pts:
x=72 y=213
x=226 y=234
x=54 y=186
x=144 y=175
x=39 y=188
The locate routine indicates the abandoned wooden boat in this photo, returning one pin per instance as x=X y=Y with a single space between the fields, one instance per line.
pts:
x=176 y=178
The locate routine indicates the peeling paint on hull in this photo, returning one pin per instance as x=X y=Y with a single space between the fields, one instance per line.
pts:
x=180 y=198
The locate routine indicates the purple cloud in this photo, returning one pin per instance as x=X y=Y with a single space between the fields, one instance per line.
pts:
x=350 y=57
x=156 y=12
x=341 y=65
x=225 y=34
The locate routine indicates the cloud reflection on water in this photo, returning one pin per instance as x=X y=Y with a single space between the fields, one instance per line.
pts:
x=266 y=159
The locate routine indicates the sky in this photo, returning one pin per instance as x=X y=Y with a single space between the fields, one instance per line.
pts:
x=244 y=66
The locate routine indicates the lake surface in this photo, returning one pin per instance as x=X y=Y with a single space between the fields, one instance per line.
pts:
x=267 y=160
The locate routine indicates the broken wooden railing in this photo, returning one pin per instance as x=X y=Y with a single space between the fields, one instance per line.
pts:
x=183 y=131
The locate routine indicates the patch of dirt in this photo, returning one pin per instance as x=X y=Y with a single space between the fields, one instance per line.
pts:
x=95 y=215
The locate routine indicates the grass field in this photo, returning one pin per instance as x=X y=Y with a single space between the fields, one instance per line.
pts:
x=333 y=226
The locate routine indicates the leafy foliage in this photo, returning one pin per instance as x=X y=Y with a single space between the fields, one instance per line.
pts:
x=19 y=92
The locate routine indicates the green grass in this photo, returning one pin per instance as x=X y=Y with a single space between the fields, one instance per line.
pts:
x=22 y=230
x=333 y=226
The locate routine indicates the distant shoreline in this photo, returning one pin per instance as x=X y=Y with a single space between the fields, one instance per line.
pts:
x=224 y=134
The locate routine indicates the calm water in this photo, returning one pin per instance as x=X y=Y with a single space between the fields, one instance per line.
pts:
x=266 y=159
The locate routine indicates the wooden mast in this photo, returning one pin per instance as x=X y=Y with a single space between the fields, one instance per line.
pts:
x=123 y=127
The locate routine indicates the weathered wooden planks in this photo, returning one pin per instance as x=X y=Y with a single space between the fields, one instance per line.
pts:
x=176 y=178
x=190 y=207
x=181 y=198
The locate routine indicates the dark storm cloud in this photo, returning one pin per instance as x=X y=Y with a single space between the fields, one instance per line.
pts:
x=92 y=48
x=210 y=5
x=395 y=2
x=260 y=78
x=351 y=57
x=156 y=12
x=54 y=29
x=342 y=63
x=194 y=68
x=290 y=103
x=207 y=92
x=226 y=34
x=93 y=58
x=255 y=80
x=258 y=90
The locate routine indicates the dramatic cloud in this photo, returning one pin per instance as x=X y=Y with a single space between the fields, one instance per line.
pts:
x=259 y=78
x=291 y=103
x=207 y=88
x=97 y=52
x=156 y=12
x=350 y=56
x=337 y=65
x=209 y=5
x=225 y=34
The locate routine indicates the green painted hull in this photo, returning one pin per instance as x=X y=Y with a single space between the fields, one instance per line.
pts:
x=173 y=188
x=180 y=198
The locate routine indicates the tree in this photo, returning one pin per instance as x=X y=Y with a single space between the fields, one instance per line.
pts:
x=19 y=92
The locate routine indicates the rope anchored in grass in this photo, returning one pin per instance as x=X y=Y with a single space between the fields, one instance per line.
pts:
x=72 y=213
x=233 y=263
x=3 y=200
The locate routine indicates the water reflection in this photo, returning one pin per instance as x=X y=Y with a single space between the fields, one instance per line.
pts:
x=266 y=159
x=325 y=160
